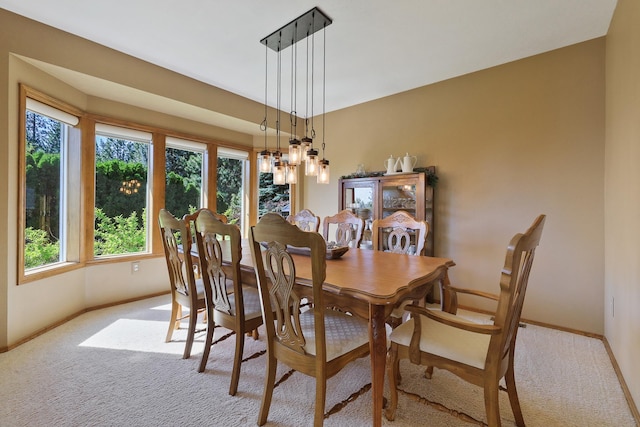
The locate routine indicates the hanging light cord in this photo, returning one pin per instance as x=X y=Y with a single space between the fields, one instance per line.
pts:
x=324 y=83
x=313 y=54
x=306 y=99
x=263 y=125
x=279 y=90
x=294 y=84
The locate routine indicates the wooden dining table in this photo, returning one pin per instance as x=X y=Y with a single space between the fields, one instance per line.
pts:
x=368 y=284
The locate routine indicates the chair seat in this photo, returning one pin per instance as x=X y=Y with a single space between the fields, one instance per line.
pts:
x=200 y=289
x=251 y=302
x=343 y=332
x=445 y=341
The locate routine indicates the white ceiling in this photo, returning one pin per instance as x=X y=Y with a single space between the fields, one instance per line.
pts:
x=374 y=48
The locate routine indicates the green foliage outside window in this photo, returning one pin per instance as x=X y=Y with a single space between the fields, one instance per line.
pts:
x=119 y=234
x=38 y=248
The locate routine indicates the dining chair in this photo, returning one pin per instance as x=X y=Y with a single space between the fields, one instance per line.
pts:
x=349 y=228
x=481 y=354
x=317 y=341
x=228 y=303
x=399 y=233
x=186 y=290
x=305 y=220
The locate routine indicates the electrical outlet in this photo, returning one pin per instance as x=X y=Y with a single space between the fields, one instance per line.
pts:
x=135 y=267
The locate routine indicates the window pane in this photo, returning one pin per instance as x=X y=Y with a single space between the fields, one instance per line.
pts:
x=45 y=146
x=272 y=198
x=230 y=191
x=122 y=168
x=184 y=169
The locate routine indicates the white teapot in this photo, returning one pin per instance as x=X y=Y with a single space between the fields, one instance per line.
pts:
x=390 y=165
x=407 y=162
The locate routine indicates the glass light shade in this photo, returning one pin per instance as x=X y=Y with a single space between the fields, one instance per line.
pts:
x=323 y=172
x=311 y=166
x=276 y=157
x=279 y=173
x=294 y=152
x=264 y=161
x=305 y=144
x=292 y=174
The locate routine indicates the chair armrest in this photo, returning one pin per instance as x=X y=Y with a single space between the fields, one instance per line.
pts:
x=474 y=292
x=452 y=321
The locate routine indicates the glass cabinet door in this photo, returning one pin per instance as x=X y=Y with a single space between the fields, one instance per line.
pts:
x=360 y=199
x=396 y=196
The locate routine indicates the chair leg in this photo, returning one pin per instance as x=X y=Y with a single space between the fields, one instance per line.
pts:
x=428 y=373
x=172 y=321
x=491 y=403
x=178 y=317
x=237 y=361
x=207 y=342
x=321 y=397
x=392 y=374
x=510 y=381
x=269 y=383
x=193 y=318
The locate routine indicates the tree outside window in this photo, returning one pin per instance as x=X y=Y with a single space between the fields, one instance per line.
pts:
x=45 y=144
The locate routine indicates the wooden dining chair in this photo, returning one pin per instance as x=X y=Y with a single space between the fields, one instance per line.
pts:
x=305 y=220
x=317 y=342
x=229 y=304
x=399 y=233
x=348 y=231
x=186 y=290
x=481 y=354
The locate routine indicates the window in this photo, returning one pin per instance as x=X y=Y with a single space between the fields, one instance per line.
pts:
x=122 y=188
x=232 y=197
x=184 y=168
x=45 y=195
x=271 y=197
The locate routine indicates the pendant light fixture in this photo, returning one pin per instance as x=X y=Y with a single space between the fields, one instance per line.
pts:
x=323 y=165
x=311 y=166
x=279 y=169
x=264 y=157
x=294 y=142
x=302 y=150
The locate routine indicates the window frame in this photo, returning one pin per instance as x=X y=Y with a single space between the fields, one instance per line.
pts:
x=69 y=197
x=139 y=135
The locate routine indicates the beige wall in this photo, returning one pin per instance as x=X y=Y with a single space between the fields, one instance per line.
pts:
x=508 y=143
x=622 y=195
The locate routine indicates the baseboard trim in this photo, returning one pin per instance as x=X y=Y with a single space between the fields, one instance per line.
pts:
x=623 y=383
x=73 y=316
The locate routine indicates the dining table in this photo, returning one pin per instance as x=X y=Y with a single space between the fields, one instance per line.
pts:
x=369 y=284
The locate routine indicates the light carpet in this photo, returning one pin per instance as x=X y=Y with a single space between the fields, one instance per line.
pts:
x=111 y=367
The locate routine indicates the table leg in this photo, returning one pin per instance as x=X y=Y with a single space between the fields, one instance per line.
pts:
x=378 y=351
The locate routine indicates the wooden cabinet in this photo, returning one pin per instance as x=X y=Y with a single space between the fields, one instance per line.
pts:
x=377 y=197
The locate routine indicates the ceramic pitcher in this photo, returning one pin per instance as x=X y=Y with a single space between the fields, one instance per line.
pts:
x=408 y=162
x=390 y=165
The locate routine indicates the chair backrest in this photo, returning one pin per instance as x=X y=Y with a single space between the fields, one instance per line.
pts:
x=305 y=220
x=219 y=217
x=513 y=286
x=349 y=228
x=405 y=232
x=177 y=241
x=276 y=274
x=210 y=230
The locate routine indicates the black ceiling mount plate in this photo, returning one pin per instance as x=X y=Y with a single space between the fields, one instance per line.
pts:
x=298 y=29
